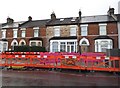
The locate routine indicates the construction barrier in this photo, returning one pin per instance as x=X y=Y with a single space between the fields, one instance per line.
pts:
x=61 y=61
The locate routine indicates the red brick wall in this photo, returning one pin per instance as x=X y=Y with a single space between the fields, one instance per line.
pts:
x=112 y=28
x=9 y=33
x=93 y=32
x=93 y=29
x=29 y=32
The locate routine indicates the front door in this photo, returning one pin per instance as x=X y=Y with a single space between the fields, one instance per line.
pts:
x=84 y=49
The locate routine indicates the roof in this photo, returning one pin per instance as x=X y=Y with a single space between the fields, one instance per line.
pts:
x=97 y=18
x=36 y=23
x=84 y=19
x=13 y=25
x=63 y=21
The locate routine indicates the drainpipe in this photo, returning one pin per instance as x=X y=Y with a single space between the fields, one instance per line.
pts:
x=119 y=25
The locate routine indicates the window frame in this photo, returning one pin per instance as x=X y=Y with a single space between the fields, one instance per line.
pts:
x=84 y=29
x=36 y=31
x=57 y=31
x=73 y=31
x=23 y=32
x=3 y=34
x=15 y=33
x=103 y=29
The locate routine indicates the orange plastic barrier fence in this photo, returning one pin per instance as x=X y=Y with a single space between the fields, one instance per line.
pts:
x=60 y=60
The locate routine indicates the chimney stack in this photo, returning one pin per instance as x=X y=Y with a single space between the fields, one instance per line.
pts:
x=53 y=16
x=9 y=20
x=110 y=11
x=29 y=18
x=80 y=13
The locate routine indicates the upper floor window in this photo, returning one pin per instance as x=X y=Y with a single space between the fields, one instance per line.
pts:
x=36 y=31
x=102 y=29
x=84 y=30
x=15 y=33
x=57 y=31
x=3 y=33
x=23 y=32
x=73 y=31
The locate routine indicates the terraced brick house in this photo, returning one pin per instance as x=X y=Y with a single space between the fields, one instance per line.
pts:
x=30 y=33
x=84 y=33
x=34 y=32
x=9 y=35
x=98 y=33
x=61 y=34
x=72 y=34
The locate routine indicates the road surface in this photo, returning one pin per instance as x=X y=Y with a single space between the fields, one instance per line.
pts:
x=55 y=78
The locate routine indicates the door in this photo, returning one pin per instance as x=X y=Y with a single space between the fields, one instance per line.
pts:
x=84 y=49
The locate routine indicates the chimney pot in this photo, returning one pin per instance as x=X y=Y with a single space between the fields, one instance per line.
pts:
x=53 y=16
x=29 y=18
x=111 y=11
x=10 y=20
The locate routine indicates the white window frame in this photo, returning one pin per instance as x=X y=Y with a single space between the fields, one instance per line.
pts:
x=23 y=32
x=66 y=45
x=3 y=33
x=73 y=30
x=103 y=29
x=22 y=40
x=36 y=42
x=57 y=31
x=84 y=29
x=36 y=31
x=81 y=42
x=15 y=33
x=2 y=46
x=98 y=46
x=12 y=43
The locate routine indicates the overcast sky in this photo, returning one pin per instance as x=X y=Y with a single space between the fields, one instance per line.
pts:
x=19 y=10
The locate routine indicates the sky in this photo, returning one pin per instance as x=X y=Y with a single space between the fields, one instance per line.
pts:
x=19 y=10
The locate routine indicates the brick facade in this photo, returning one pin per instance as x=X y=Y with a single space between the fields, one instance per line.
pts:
x=46 y=30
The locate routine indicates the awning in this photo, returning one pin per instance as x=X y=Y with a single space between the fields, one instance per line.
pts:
x=63 y=38
x=36 y=38
x=103 y=37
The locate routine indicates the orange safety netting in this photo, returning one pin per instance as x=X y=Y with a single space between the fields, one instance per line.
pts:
x=60 y=60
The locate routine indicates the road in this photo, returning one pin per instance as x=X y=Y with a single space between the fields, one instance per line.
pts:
x=55 y=78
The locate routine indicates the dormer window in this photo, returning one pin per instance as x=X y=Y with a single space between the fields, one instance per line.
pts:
x=61 y=19
x=73 y=19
